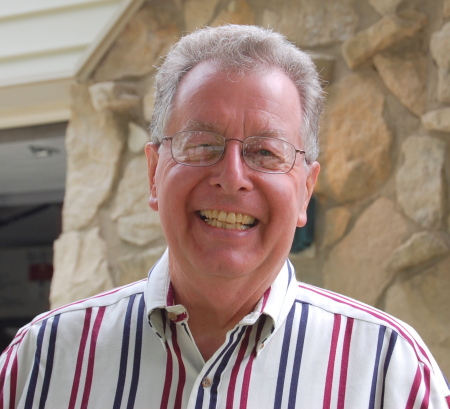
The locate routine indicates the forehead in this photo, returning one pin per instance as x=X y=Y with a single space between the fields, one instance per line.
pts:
x=229 y=101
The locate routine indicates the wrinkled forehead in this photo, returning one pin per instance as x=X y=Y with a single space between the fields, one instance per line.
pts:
x=218 y=99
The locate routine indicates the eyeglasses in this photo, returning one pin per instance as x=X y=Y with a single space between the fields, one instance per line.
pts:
x=261 y=153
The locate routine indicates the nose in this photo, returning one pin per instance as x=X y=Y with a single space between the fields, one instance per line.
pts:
x=231 y=173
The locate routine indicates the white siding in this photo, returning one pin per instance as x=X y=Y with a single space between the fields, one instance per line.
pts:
x=47 y=40
x=44 y=45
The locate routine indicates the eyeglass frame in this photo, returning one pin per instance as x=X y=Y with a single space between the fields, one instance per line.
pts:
x=170 y=138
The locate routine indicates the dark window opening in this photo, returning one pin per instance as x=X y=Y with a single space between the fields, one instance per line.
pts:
x=304 y=236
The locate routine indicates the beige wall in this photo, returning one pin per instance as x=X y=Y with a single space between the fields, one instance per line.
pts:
x=382 y=229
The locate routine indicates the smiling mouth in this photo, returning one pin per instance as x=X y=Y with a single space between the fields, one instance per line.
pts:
x=229 y=221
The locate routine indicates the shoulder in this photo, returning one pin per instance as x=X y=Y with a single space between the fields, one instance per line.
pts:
x=367 y=319
x=113 y=302
x=337 y=304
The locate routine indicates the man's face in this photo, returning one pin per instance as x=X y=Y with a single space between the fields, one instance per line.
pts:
x=236 y=106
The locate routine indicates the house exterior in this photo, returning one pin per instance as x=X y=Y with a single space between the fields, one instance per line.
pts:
x=382 y=221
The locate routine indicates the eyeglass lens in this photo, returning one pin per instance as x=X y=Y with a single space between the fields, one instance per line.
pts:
x=200 y=148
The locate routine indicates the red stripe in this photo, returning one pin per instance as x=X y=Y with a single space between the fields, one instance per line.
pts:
x=248 y=368
x=170 y=295
x=13 y=384
x=168 y=380
x=52 y=312
x=344 y=363
x=235 y=370
x=448 y=401
x=426 y=398
x=414 y=389
x=3 y=376
x=331 y=361
x=378 y=314
x=181 y=368
x=91 y=361
x=12 y=380
x=265 y=298
x=81 y=349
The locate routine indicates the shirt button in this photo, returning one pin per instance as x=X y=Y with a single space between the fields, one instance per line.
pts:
x=172 y=316
x=261 y=346
x=206 y=382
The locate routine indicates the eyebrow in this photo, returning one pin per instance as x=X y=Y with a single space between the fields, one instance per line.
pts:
x=196 y=125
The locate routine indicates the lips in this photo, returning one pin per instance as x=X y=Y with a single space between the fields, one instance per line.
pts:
x=224 y=220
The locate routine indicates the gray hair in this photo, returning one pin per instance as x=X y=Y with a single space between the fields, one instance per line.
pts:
x=241 y=48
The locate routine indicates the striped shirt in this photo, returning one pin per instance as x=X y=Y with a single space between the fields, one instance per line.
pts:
x=301 y=347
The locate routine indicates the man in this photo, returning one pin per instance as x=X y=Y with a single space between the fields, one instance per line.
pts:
x=221 y=321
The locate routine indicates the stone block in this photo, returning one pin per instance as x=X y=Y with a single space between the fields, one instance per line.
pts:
x=148 y=102
x=114 y=96
x=325 y=66
x=356 y=155
x=440 y=47
x=386 y=32
x=137 y=138
x=438 y=120
x=311 y=23
x=336 y=222
x=405 y=77
x=385 y=7
x=423 y=302
x=133 y=190
x=355 y=265
x=421 y=247
x=419 y=180
x=198 y=13
x=136 y=267
x=446 y=8
x=81 y=268
x=94 y=143
x=148 y=35
x=235 y=12
x=140 y=228
x=443 y=91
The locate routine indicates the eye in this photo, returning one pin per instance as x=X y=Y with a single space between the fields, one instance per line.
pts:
x=265 y=152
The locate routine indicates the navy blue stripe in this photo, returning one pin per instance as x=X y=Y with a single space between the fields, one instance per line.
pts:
x=373 y=390
x=186 y=330
x=35 y=370
x=298 y=355
x=392 y=341
x=199 y=401
x=124 y=354
x=49 y=364
x=221 y=368
x=283 y=359
x=137 y=354
x=446 y=380
x=290 y=274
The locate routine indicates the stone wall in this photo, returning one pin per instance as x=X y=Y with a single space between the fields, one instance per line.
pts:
x=382 y=228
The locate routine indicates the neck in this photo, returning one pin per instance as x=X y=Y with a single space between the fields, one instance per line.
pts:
x=216 y=304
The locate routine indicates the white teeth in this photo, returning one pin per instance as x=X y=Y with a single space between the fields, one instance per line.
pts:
x=231 y=218
x=229 y=221
x=222 y=216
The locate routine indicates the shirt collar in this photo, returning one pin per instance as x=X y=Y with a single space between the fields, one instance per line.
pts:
x=275 y=303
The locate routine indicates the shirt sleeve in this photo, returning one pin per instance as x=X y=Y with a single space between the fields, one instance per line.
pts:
x=15 y=365
x=413 y=377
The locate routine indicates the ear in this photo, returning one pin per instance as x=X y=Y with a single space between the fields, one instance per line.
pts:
x=314 y=169
x=151 y=151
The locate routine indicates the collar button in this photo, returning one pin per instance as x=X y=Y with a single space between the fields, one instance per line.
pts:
x=172 y=316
